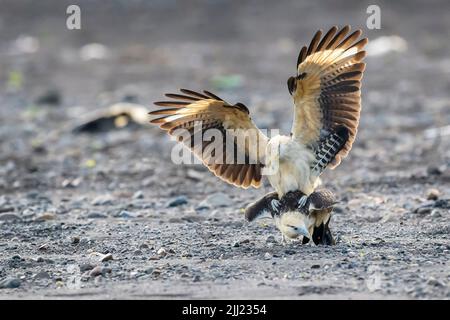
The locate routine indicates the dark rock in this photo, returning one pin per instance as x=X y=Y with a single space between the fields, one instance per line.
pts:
x=43 y=247
x=51 y=97
x=215 y=200
x=42 y=275
x=75 y=240
x=9 y=217
x=178 y=201
x=99 y=270
x=10 y=283
x=102 y=200
x=196 y=278
x=86 y=267
x=434 y=171
x=138 y=195
x=96 y=215
x=128 y=215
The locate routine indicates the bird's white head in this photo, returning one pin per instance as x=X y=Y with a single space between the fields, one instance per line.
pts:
x=293 y=224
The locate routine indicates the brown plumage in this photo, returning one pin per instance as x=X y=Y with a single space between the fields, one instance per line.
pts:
x=214 y=113
x=327 y=99
x=326 y=90
x=326 y=93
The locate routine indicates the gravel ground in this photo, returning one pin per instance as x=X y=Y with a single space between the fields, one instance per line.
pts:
x=108 y=215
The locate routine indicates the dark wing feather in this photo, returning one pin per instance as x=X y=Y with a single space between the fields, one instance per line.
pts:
x=326 y=90
x=236 y=158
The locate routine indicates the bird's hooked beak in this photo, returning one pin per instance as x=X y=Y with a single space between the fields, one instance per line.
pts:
x=304 y=232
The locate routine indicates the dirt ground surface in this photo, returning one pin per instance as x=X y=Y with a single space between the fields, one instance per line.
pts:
x=108 y=215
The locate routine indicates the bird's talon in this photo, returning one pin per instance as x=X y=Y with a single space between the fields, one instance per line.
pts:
x=302 y=202
x=276 y=204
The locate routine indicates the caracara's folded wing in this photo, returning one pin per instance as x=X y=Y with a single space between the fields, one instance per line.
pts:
x=322 y=199
x=326 y=90
x=222 y=135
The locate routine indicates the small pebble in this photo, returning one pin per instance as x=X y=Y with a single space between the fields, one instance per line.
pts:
x=433 y=170
x=42 y=275
x=267 y=256
x=50 y=97
x=127 y=214
x=215 y=200
x=178 y=201
x=433 y=194
x=9 y=217
x=138 y=195
x=102 y=200
x=106 y=257
x=96 y=215
x=435 y=213
x=43 y=247
x=149 y=270
x=98 y=270
x=75 y=240
x=424 y=210
x=46 y=216
x=86 y=267
x=156 y=272
x=435 y=283
x=162 y=252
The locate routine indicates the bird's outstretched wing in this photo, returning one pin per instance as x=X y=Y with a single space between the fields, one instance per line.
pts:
x=261 y=208
x=326 y=89
x=238 y=156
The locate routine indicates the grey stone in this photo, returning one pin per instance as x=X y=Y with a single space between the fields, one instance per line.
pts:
x=178 y=201
x=42 y=275
x=10 y=283
x=271 y=239
x=102 y=200
x=75 y=240
x=9 y=217
x=96 y=215
x=128 y=215
x=215 y=200
x=86 y=267
x=138 y=195
x=267 y=256
x=106 y=257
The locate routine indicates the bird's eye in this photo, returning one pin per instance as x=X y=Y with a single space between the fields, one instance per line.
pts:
x=293 y=227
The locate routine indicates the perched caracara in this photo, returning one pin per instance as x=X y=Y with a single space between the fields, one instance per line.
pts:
x=327 y=104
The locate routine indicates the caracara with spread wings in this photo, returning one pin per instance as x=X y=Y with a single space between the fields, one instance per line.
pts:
x=327 y=104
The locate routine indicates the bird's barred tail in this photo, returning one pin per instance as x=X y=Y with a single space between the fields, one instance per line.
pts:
x=328 y=148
